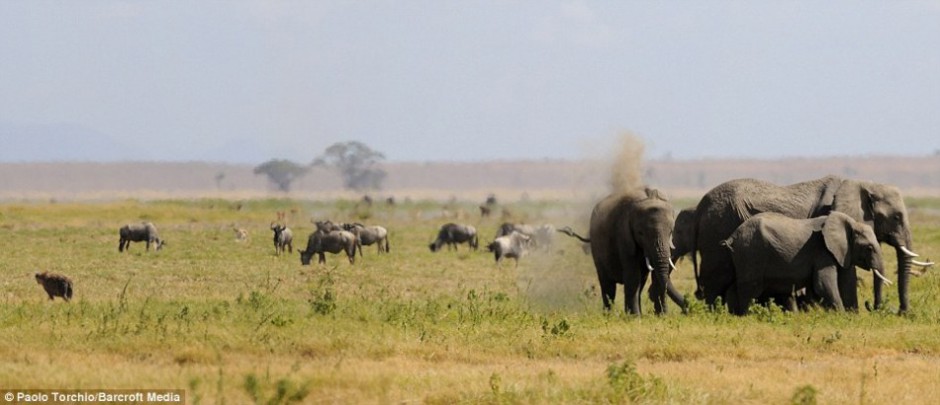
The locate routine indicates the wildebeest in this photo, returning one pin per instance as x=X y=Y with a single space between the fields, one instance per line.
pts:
x=451 y=234
x=544 y=236
x=333 y=242
x=283 y=239
x=142 y=232
x=56 y=285
x=507 y=228
x=368 y=235
x=513 y=246
x=327 y=226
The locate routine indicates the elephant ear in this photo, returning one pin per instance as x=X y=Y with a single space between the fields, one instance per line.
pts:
x=869 y=197
x=836 y=233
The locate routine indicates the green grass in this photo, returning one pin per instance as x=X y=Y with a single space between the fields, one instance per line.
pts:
x=232 y=323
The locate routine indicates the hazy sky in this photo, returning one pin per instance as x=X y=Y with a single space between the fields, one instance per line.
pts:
x=469 y=80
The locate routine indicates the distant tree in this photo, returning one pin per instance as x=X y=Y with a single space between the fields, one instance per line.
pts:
x=356 y=162
x=281 y=172
x=218 y=179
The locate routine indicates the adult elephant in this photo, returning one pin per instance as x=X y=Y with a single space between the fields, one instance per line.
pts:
x=630 y=238
x=728 y=205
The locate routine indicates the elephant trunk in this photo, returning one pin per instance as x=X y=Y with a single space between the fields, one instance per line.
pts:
x=659 y=259
x=904 y=277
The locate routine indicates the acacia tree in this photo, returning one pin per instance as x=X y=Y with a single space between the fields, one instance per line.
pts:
x=281 y=172
x=356 y=162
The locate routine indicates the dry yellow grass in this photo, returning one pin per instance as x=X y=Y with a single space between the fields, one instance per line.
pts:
x=230 y=322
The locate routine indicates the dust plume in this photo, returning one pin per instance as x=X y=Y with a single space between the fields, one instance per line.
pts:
x=626 y=168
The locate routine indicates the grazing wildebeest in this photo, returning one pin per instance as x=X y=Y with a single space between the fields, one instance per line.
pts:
x=369 y=234
x=56 y=285
x=513 y=246
x=333 y=242
x=142 y=232
x=451 y=234
x=283 y=239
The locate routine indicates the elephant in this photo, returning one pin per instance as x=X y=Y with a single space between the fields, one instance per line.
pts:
x=777 y=255
x=630 y=238
x=334 y=242
x=682 y=234
x=728 y=205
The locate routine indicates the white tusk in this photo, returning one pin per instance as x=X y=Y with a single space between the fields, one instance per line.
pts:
x=671 y=264
x=907 y=251
x=878 y=273
x=672 y=245
x=922 y=264
x=648 y=266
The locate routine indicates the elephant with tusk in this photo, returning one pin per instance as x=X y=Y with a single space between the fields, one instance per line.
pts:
x=728 y=205
x=774 y=254
x=631 y=240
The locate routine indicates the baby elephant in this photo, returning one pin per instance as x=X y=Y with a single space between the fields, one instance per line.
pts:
x=777 y=255
x=56 y=285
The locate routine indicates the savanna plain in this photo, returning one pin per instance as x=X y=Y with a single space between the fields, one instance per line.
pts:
x=231 y=322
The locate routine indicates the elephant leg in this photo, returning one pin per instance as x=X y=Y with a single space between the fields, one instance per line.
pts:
x=827 y=285
x=632 y=288
x=608 y=292
x=716 y=281
x=740 y=296
x=848 y=288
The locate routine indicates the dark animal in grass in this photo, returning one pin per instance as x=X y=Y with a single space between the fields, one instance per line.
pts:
x=334 y=242
x=451 y=234
x=56 y=285
x=283 y=239
x=142 y=232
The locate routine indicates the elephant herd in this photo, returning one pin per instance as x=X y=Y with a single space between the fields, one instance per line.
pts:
x=757 y=242
x=749 y=241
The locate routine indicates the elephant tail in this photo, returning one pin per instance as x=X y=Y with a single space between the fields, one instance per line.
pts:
x=567 y=231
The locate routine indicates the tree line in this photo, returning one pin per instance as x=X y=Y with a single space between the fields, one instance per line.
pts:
x=354 y=161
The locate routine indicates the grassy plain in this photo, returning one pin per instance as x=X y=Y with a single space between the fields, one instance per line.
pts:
x=230 y=322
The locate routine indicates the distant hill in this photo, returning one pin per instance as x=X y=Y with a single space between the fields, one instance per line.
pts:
x=510 y=180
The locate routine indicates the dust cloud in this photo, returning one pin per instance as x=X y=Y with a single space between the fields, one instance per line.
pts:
x=563 y=279
x=626 y=166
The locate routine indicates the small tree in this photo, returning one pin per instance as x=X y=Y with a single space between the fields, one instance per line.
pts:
x=356 y=162
x=281 y=172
